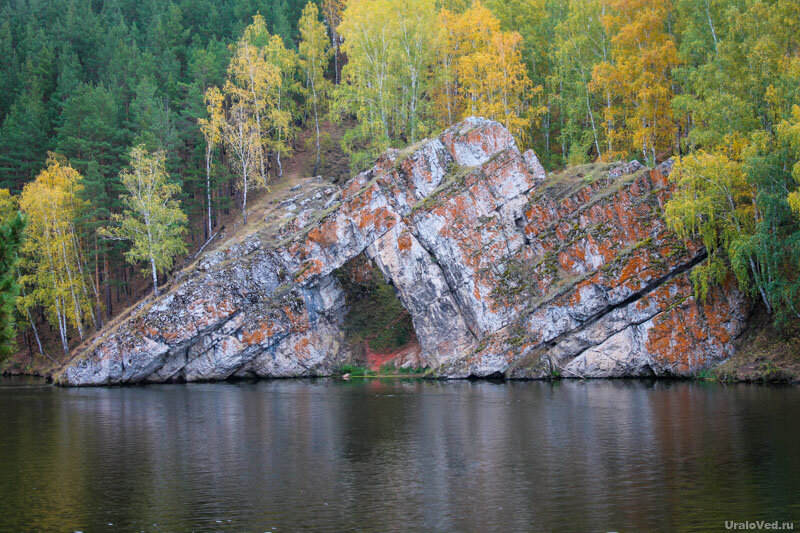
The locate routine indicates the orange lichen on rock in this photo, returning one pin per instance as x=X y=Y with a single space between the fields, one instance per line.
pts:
x=302 y=348
x=675 y=336
x=325 y=233
x=404 y=242
x=297 y=319
x=310 y=268
x=262 y=332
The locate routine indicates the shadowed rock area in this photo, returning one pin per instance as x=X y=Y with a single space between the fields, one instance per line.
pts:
x=504 y=271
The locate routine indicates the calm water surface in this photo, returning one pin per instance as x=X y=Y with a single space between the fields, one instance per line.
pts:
x=395 y=455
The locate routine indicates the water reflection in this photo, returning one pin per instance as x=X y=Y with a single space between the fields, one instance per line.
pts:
x=377 y=455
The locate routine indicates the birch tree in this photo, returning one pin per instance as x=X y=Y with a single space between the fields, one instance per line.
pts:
x=581 y=43
x=388 y=75
x=315 y=51
x=211 y=128
x=53 y=252
x=241 y=135
x=484 y=72
x=332 y=11
x=258 y=115
x=643 y=54
x=366 y=29
x=417 y=38
x=153 y=221
x=280 y=115
x=252 y=80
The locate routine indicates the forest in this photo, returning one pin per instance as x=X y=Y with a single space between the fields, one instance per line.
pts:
x=131 y=129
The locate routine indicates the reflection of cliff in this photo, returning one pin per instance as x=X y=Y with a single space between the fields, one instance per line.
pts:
x=463 y=456
x=503 y=270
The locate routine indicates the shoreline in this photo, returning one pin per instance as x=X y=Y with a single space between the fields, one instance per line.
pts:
x=761 y=380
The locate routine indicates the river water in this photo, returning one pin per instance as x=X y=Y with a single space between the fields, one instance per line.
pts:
x=398 y=455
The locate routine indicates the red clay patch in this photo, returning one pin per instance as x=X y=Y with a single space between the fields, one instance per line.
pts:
x=375 y=360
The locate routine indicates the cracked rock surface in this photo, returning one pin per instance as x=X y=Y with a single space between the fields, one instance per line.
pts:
x=504 y=271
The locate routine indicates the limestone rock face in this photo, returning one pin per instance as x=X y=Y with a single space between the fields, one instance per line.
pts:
x=505 y=272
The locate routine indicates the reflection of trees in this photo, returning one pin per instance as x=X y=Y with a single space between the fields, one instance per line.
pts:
x=458 y=455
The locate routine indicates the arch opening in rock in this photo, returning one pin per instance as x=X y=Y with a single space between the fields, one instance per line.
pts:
x=378 y=329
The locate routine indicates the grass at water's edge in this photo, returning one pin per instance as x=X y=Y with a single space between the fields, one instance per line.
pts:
x=386 y=371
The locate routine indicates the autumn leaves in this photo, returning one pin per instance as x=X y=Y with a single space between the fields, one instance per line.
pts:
x=412 y=71
x=55 y=264
x=637 y=79
x=251 y=114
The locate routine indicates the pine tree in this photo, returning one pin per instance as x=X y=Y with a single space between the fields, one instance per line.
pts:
x=12 y=227
x=9 y=69
x=91 y=137
x=89 y=130
x=280 y=21
x=23 y=140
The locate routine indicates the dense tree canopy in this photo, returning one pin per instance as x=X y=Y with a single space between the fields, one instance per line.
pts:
x=315 y=48
x=221 y=88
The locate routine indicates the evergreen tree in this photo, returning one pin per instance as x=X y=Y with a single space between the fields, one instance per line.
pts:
x=23 y=140
x=280 y=22
x=9 y=69
x=92 y=138
x=12 y=227
x=90 y=132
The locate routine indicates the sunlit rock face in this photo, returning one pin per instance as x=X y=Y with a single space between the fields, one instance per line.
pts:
x=504 y=271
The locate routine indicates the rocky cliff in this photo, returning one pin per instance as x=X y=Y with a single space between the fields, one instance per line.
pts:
x=504 y=271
